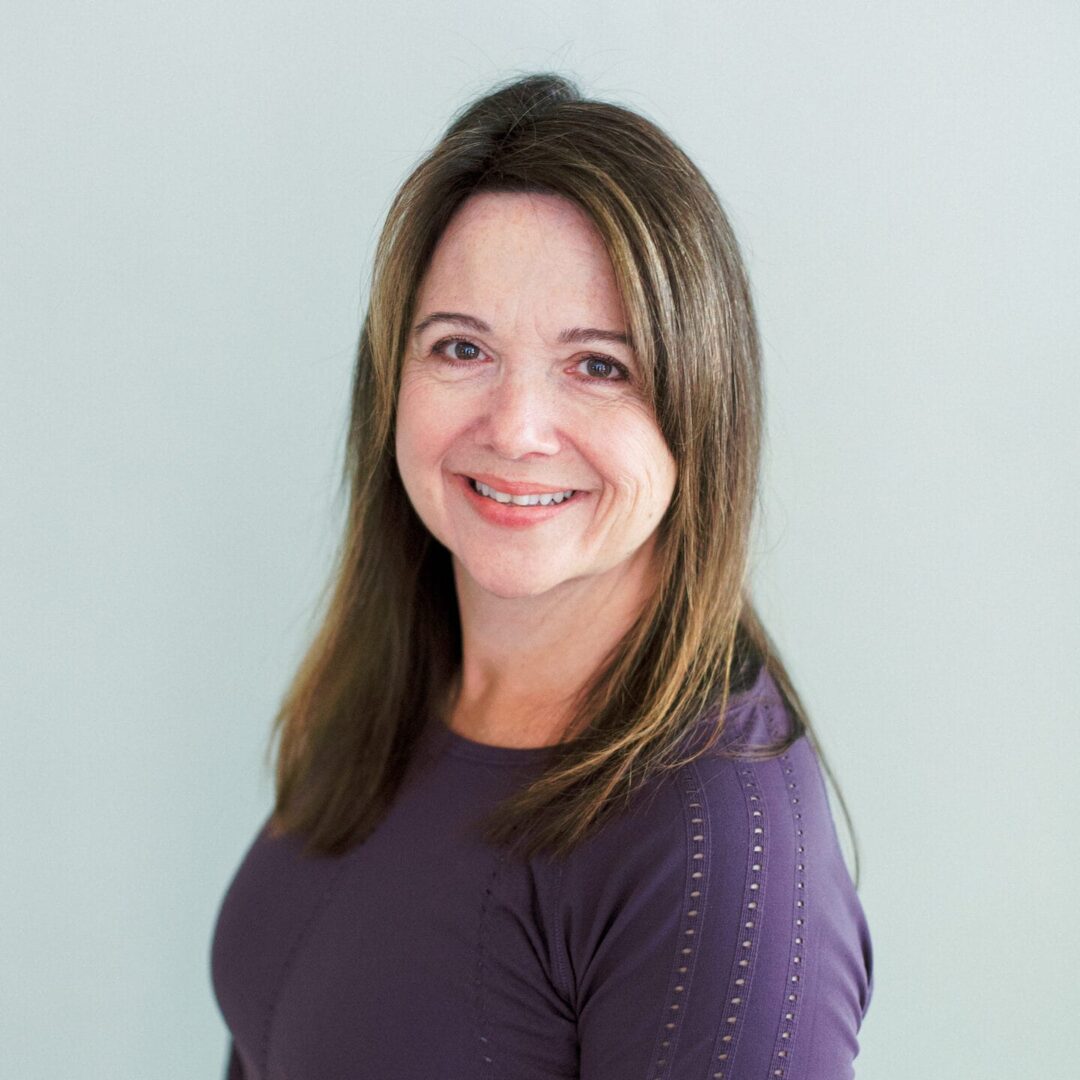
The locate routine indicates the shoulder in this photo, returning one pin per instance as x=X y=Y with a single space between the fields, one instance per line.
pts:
x=737 y=812
x=726 y=890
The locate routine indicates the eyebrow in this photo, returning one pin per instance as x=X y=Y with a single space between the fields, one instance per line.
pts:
x=577 y=335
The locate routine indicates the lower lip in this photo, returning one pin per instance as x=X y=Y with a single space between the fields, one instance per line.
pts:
x=514 y=517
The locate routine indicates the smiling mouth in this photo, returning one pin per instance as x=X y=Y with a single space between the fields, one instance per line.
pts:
x=551 y=498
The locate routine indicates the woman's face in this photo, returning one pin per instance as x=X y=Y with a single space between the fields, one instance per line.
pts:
x=515 y=376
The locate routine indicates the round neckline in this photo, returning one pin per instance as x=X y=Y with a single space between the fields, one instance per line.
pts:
x=463 y=747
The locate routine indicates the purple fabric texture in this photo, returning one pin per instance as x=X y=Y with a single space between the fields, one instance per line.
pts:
x=710 y=932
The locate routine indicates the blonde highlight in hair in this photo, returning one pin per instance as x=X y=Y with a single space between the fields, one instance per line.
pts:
x=388 y=647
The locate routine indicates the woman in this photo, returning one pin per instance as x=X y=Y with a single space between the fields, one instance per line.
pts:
x=547 y=803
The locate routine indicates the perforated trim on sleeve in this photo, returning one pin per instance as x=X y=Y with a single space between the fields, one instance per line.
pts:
x=785 y=1036
x=695 y=893
x=742 y=968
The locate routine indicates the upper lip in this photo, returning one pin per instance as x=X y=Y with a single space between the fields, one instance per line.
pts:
x=514 y=487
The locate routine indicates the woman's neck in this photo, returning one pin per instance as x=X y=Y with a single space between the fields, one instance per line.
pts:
x=525 y=659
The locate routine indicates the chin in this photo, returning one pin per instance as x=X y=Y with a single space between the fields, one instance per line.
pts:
x=511 y=587
x=510 y=583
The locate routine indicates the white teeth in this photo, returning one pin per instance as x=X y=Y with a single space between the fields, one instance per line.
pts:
x=547 y=499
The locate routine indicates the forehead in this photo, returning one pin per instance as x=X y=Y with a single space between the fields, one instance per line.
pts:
x=515 y=250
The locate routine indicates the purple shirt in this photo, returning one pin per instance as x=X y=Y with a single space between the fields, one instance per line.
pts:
x=710 y=931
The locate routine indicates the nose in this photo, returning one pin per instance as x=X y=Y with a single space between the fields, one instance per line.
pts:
x=520 y=415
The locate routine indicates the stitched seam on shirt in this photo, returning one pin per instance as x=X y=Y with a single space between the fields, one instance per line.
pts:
x=562 y=960
x=479 y=998
x=687 y=947
x=290 y=961
x=751 y=910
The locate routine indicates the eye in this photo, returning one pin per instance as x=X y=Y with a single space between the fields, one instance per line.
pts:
x=463 y=351
x=604 y=369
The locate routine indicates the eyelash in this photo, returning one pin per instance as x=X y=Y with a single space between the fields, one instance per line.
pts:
x=436 y=350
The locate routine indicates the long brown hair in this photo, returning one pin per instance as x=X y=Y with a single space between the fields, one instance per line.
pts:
x=388 y=646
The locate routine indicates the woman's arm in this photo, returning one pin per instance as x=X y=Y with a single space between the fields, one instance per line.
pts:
x=721 y=936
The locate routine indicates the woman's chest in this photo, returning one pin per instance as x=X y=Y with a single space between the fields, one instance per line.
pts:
x=420 y=953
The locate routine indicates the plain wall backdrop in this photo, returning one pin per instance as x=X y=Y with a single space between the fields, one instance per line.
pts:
x=189 y=198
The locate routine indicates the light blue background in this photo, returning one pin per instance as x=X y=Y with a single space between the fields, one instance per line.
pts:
x=189 y=196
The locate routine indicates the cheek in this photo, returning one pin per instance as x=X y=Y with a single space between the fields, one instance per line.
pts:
x=421 y=427
x=637 y=468
x=659 y=486
x=666 y=471
x=412 y=447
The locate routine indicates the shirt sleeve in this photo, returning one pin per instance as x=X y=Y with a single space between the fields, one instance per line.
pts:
x=715 y=932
